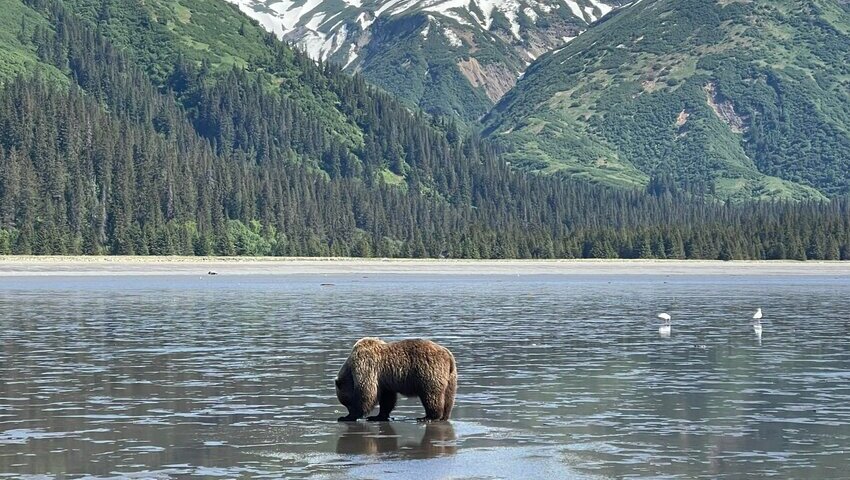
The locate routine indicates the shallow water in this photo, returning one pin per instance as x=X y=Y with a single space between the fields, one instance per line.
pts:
x=560 y=377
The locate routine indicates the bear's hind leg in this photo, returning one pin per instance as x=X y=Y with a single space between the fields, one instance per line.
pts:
x=449 y=398
x=386 y=404
x=433 y=402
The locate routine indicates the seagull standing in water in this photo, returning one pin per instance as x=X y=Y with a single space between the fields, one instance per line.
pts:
x=665 y=329
x=757 y=322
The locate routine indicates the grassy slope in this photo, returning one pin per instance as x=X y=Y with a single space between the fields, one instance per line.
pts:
x=17 y=54
x=216 y=32
x=410 y=56
x=610 y=105
x=421 y=71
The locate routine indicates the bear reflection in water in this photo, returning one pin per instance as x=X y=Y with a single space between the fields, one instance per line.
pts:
x=415 y=441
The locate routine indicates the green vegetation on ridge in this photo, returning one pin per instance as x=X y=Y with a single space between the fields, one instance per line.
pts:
x=213 y=35
x=18 y=55
x=423 y=70
x=745 y=99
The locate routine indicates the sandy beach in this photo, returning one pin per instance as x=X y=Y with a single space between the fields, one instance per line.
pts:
x=116 y=265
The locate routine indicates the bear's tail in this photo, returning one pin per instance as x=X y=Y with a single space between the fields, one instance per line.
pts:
x=451 y=389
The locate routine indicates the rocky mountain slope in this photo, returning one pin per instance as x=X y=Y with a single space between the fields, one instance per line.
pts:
x=743 y=98
x=449 y=57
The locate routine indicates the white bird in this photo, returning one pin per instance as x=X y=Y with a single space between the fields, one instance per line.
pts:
x=665 y=329
x=757 y=322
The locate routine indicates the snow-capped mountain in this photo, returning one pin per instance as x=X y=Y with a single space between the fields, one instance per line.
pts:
x=448 y=56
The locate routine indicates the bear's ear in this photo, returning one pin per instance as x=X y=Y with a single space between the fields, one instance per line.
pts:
x=337 y=382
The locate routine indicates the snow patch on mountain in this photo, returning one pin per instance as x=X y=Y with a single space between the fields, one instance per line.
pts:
x=447 y=9
x=492 y=40
x=605 y=9
x=352 y=56
x=452 y=37
x=316 y=25
x=365 y=19
x=575 y=8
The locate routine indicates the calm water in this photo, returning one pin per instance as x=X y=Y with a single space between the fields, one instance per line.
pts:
x=560 y=377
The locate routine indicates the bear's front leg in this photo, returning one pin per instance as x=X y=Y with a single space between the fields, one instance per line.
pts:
x=387 y=402
x=351 y=417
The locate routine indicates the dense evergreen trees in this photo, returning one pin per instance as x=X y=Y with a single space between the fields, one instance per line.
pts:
x=183 y=159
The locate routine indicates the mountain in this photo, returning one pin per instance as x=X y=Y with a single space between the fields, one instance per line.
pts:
x=181 y=127
x=746 y=99
x=448 y=57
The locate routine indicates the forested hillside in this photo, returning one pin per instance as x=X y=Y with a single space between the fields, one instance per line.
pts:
x=127 y=130
x=749 y=99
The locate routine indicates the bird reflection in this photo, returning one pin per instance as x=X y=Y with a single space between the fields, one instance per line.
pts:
x=665 y=329
x=757 y=323
x=407 y=440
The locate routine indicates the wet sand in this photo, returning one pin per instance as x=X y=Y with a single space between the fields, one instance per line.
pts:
x=11 y=266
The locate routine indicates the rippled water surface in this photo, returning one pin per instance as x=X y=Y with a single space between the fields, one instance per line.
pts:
x=560 y=377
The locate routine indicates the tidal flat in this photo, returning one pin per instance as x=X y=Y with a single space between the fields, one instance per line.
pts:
x=17 y=265
x=116 y=368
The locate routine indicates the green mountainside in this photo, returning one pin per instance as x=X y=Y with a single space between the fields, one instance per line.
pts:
x=430 y=73
x=446 y=57
x=18 y=55
x=181 y=127
x=740 y=98
x=213 y=35
x=453 y=66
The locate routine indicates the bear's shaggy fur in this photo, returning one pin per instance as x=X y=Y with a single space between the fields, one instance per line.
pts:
x=377 y=371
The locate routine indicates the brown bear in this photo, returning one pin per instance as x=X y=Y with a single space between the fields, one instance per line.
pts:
x=377 y=371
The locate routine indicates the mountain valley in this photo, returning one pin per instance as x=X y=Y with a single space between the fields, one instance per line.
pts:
x=447 y=57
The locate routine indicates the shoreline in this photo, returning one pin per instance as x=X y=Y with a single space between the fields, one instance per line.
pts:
x=14 y=266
